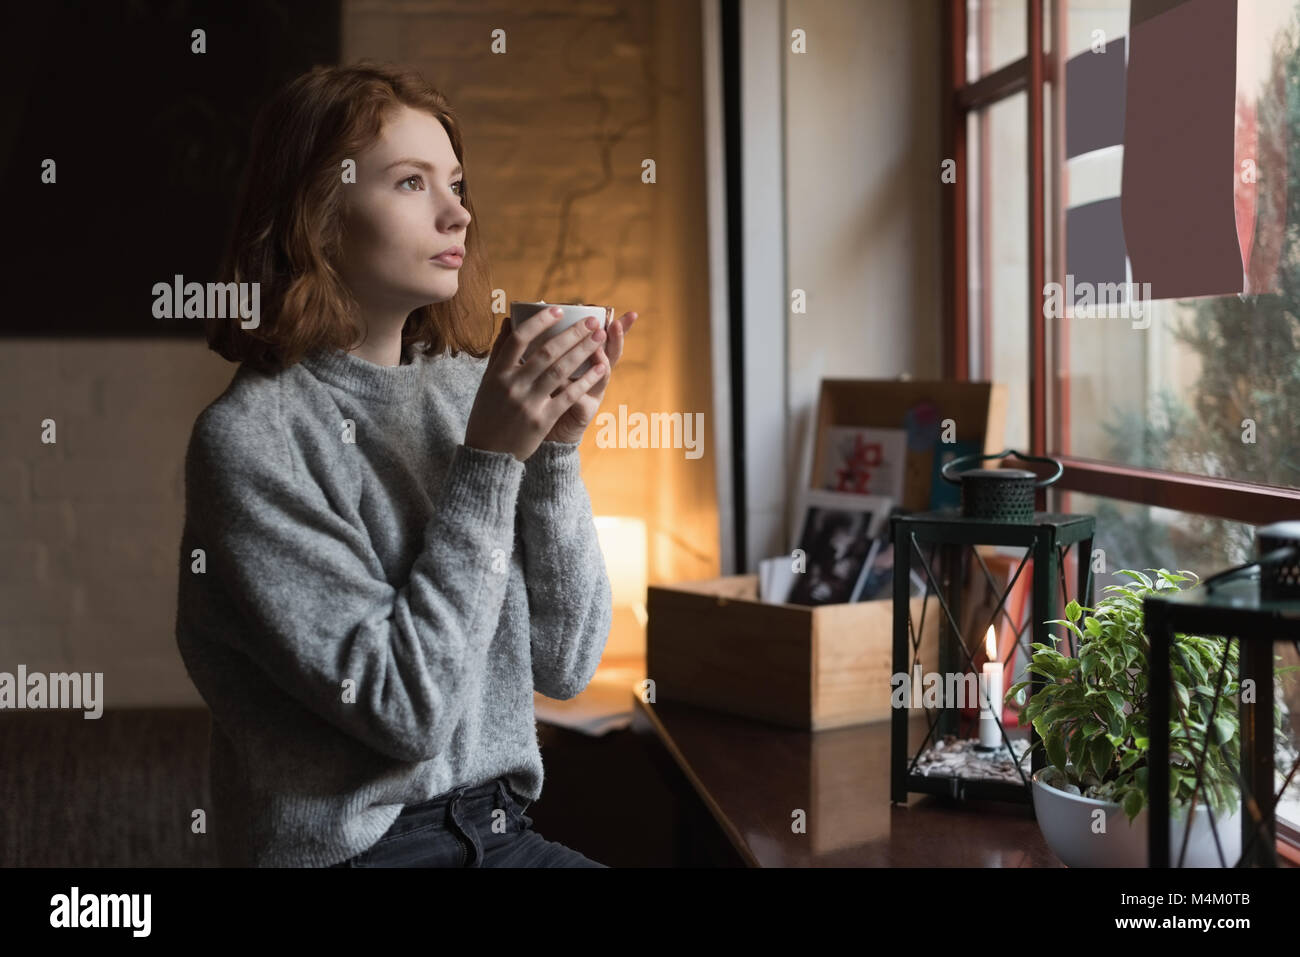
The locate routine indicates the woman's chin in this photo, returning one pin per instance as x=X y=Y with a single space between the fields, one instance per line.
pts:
x=437 y=292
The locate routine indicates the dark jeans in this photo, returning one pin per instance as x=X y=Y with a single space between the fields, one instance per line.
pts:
x=484 y=826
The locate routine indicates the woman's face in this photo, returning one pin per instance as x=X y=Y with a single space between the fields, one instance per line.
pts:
x=404 y=209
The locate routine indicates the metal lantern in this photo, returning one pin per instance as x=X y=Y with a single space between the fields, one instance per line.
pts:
x=997 y=509
x=1254 y=605
x=998 y=495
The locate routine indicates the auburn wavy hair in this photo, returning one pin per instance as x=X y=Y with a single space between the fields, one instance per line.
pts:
x=287 y=226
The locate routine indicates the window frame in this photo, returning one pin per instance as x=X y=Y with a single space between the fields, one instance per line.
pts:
x=1247 y=502
x=1223 y=498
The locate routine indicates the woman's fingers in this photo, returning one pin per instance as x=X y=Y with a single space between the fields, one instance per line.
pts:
x=617 y=330
x=583 y=384
x=562 y=368
x=553 y=360
x=549 y=354
x=530 y=329
x=598 y=372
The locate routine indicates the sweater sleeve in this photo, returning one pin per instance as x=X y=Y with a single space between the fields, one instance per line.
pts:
x=315 y=610
x=569 y=595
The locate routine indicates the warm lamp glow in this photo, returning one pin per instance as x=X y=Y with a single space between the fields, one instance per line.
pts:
x=623 y=543
x=990 y=645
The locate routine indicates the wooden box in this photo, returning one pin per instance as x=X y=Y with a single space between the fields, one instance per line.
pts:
x=712 y=643
x=978 y=411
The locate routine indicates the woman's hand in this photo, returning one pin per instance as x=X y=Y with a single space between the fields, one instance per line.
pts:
x=519 y=402
x=573 y=423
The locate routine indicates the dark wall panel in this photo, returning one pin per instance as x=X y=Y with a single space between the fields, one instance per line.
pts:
x=149 y=140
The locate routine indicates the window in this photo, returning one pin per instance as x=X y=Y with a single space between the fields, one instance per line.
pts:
x=1182 y=400
x=999 y=255
x=998 y=37
x=1123 y=250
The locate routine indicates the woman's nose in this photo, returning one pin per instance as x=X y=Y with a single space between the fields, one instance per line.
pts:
x=461 y=215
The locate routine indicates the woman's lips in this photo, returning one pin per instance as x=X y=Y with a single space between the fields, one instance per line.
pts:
x=449 y=259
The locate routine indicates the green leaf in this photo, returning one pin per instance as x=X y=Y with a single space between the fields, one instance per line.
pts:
x=1116 y=701
x=1115 y=721
x=1133 y=802
x=1055 y=750
x=1087 y=664
x=1073 y=611
x=1176 y=779
x=1224 y=728
x=1101 y=751
x=1071 y=625
x=1041 y=727
x=1092 y=626
x=1137 y=576
x=1075 y=752
x=1051 y=664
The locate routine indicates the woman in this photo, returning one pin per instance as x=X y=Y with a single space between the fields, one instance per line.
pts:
x=387 y=546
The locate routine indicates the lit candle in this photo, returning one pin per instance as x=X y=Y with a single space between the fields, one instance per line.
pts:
x=990 y=694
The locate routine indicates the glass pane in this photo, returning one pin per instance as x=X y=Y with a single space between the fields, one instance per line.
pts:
x=995 y=35
x=1208 y=385
x=998 y=247
x=1090 y=24
x=1143 y=536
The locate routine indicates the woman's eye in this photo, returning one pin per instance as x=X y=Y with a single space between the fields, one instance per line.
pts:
x=459 y=184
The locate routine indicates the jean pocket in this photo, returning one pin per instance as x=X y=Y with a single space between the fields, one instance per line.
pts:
x=406 y=829
x=518 y=806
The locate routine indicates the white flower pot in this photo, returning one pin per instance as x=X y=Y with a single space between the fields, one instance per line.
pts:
x=1068 y=825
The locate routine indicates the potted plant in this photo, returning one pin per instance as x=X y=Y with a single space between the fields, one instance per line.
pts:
x=1092 y=718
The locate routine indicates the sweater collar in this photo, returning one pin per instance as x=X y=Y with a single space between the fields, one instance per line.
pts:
x=367 y=380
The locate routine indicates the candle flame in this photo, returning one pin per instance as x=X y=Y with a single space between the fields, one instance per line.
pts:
x=990 y=645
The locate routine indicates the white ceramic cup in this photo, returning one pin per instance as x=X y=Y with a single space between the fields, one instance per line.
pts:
x=519 y=311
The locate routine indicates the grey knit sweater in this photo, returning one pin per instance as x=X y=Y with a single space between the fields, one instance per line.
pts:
x=374 y=602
